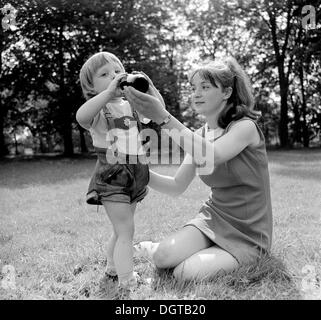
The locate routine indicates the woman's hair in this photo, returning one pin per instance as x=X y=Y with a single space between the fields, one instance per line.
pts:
x=228 y=73
x=91 y=66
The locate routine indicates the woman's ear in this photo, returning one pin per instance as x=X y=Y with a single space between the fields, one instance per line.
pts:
x=227 y=93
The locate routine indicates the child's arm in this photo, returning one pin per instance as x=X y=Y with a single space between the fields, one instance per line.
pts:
x=176 y=185
x=91 y=107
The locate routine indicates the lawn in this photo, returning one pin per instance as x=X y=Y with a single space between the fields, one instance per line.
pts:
x=55 y=244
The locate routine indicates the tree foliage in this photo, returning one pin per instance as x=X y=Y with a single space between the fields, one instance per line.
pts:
x=41 y=57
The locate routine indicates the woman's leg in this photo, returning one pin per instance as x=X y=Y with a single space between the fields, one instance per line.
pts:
x=180 y=246
x=122 y=218
x=205 y=264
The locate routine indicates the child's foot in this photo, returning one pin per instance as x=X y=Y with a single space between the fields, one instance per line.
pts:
x=128 y=287
x=110 y=271
x=145 y=249
x=122 y=294
x=130 y=283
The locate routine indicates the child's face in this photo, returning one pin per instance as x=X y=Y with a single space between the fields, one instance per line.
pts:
x=206 y=98
x=104 y=76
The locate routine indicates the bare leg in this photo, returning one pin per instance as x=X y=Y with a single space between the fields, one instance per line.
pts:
x=122 y=218
x=111 y=269
x=180 y=246
x=205 y=264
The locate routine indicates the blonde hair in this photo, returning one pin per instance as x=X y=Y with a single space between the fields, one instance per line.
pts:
x=228 y=73
x=91 y=66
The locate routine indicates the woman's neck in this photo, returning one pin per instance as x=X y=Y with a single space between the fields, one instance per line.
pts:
x=212 y=119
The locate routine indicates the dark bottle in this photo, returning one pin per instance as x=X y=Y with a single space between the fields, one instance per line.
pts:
x=137 y=81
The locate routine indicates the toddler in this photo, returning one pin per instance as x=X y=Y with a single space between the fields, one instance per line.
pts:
x=120 y=178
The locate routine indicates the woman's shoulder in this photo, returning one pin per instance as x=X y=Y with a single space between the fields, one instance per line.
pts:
x=244 y=124
x=246 y=128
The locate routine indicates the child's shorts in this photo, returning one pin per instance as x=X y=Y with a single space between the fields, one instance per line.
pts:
x=117 y=182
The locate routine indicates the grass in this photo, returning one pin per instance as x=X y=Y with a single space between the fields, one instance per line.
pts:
x=56 y=243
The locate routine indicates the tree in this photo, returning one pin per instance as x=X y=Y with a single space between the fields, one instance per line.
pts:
x=7 y=37
x=57 y=36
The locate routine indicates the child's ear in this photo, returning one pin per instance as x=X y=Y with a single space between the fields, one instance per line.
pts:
x=227 y=93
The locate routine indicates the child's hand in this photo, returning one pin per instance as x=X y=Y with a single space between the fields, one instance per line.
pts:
x=113 y=88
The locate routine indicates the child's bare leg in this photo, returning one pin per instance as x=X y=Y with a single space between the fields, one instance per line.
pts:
x=111 y=269
x=122 y=218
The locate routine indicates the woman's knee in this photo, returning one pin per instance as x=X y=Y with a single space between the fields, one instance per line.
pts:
x=162 y=256
x=187 y=271
x=183 y=273
x=205 y=264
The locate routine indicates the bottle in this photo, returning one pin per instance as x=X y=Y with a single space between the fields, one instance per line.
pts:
x=137 y=81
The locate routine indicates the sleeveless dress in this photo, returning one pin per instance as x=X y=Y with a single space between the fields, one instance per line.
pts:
x=238 y=214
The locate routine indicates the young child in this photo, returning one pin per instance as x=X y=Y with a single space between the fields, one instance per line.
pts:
x=120 y=178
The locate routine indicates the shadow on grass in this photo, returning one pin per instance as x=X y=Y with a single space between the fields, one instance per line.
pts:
x=299 y=164
x=300 y=173
x=37 y=171
x=17 y=174
x=297 y=156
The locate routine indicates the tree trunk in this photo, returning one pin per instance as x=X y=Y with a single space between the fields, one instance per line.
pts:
x=64 y=106
x=306 y=139
x=3 y=148
x=83 y=146
x=42 y=144
x=15 y=143
x=283 y=78
x=284 y=118
x=49 y=143
x=297 y=122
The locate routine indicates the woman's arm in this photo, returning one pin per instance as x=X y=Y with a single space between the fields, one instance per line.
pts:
x=176 y=185
x=204 y=152
x=241 y=135
x=200 y=149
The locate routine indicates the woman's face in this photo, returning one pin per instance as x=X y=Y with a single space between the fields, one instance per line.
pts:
x=206 y=98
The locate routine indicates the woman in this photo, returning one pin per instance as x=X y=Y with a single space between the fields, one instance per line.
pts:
x=234 y=226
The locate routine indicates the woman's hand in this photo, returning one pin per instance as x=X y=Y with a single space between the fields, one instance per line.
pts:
x=148 y=105
x=152 y=89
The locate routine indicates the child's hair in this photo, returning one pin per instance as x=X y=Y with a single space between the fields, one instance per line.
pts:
x=228 y=73
x=91 y=66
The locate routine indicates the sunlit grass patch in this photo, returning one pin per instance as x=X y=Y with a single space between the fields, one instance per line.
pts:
x=56 y=243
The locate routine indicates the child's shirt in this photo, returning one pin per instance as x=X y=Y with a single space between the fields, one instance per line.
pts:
x=125 y=133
